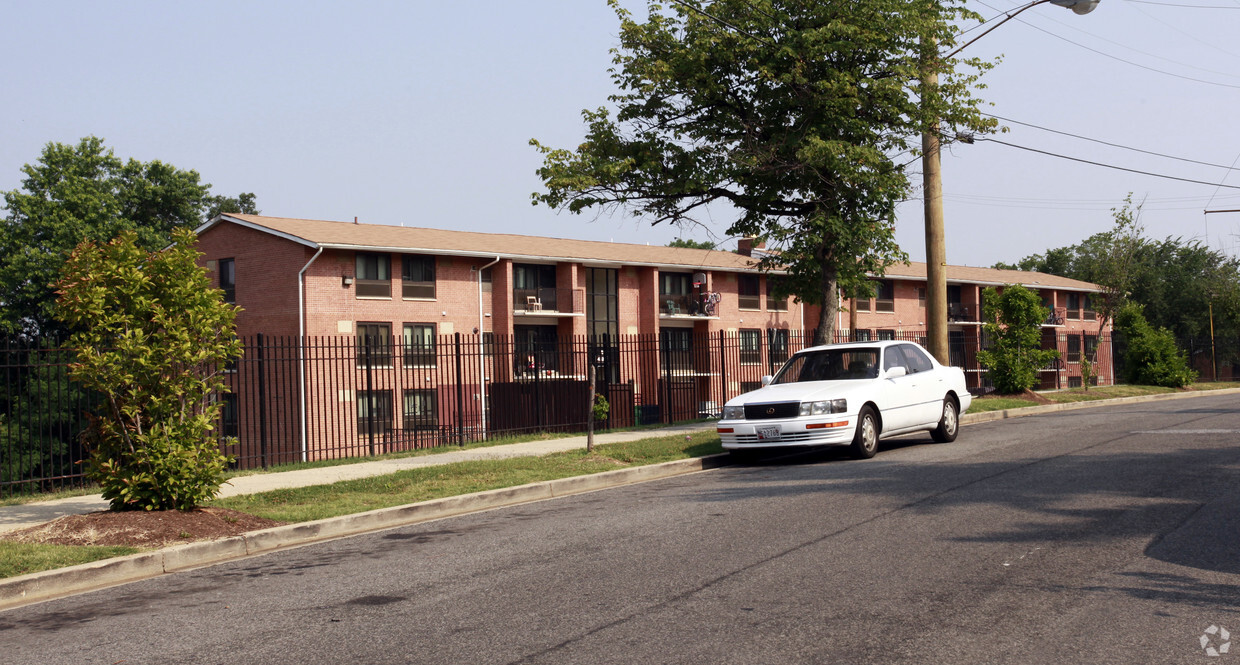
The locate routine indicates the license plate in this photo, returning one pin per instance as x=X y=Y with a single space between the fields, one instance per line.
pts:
x=768 y=433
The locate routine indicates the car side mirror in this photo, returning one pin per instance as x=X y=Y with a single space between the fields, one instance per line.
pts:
x=896 y=372
x=766 y=380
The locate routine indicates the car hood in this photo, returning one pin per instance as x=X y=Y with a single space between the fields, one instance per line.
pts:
x=805 y=391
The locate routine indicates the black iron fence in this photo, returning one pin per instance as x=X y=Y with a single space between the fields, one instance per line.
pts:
x=294 y=399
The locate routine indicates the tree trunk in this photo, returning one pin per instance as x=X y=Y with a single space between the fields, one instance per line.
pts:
x=825 y=333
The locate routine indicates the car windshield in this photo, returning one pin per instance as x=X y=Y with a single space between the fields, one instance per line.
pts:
x=830 y=365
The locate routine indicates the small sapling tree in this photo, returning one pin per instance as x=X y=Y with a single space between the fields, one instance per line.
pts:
x=151 y=335
x=1013 y=323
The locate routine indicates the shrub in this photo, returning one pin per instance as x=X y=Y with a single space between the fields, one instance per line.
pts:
x=1152 y=358
x=151 y=335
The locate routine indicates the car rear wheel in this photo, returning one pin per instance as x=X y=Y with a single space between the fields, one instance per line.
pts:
x=949 y=422
x=865 y=441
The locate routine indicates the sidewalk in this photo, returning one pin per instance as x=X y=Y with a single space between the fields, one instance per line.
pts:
x=33 y=514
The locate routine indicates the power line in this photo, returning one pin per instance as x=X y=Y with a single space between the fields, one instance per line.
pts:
x=1176 y=4
x=1123 y=60
x=1104 y=165
x=1107 y=143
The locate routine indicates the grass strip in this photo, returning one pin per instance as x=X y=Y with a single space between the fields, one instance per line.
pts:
x=23 y=558
x=423 y=484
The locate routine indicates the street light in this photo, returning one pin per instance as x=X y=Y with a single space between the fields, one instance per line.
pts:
x=932 y=184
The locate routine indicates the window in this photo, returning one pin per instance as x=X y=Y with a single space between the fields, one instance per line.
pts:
x=1087 y=306
x=921 y=296
x=374 y=411
x=421 y=410
x=886 y=301
x=861 y=304
x=419 y=346
x=747 y=292
x=886 y=334
x=861 y=335
x=915 y=359
x=1090 y=346
x=417 y=276
x=534 y=284
x=1074 y=382
x=751 y=346
x=1074 y=306
x=777 y=345
x=228 y=280
x=228 y=415
x=374 y=276
x=674 y=287
x=374 y=345
x=774 y=304
x=677 y=348
x=1074 y=349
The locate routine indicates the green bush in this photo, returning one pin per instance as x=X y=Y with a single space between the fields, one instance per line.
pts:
x=152 y=336
x=1014 y=325
x=1152 y=358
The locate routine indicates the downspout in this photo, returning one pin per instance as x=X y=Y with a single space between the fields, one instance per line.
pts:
x=482 y=358
x=301 y=345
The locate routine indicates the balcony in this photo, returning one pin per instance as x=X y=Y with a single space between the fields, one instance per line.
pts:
x=687 y=306
x=957 y=313
x=1056 y=316
x=549 y=302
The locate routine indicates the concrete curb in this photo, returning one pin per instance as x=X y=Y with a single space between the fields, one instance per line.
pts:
x=989 y=416
x=50 y=584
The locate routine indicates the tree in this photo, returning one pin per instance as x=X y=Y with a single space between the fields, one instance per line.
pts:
x=84 y=192
x=796 y=114
x=1177 y=282
x=151 y=336
x=1013 y=322
x=691 y=244
x=243 y=203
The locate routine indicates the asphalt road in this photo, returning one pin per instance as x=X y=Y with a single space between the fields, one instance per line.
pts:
x=1097 y=536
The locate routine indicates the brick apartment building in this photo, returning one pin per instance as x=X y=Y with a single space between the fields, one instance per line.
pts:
x=522 y=302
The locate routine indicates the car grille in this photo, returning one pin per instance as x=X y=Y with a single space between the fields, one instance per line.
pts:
x=772 y=410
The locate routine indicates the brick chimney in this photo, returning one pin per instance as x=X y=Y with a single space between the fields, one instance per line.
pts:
x=746 y=245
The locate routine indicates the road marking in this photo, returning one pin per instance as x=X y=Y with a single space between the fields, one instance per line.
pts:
x=1187 y=431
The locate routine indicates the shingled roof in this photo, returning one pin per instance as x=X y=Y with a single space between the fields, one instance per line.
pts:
x=403 y=239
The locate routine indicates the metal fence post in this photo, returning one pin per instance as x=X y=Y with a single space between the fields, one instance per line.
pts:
x=460 y=392
x=262 y=402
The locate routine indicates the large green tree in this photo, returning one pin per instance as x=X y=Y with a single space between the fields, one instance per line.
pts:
x=1179 y=283
x=800 y=115
x=85 y=192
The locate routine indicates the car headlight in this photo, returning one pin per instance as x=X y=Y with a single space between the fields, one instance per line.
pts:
x=824 y=406
x=733 y=413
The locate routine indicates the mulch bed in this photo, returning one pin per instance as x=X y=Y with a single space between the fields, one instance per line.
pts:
x=138 y=528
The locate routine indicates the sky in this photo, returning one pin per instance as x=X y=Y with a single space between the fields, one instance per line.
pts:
x=420 y=113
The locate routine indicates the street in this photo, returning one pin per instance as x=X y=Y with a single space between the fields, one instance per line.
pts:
x=1107 y=535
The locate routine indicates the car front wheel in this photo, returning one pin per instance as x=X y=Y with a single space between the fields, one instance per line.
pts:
x=949 y=423
x=865 y=441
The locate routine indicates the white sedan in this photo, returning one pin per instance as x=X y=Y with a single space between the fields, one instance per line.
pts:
x=848 y=394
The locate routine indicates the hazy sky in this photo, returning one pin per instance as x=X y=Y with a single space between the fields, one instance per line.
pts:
x=420 y=113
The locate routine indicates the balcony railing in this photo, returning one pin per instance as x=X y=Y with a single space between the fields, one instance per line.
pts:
x=688 y=305
x=550 y=301
x=958 y=312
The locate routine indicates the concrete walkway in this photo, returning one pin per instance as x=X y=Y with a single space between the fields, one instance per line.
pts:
x=32 y=514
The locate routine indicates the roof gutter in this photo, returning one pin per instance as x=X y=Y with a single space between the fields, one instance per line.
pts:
x=301 y=345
